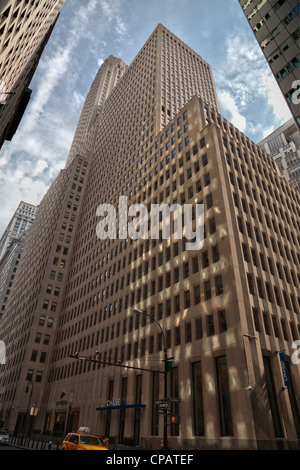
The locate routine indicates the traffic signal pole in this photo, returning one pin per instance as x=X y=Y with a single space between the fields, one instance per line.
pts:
x=166 y=394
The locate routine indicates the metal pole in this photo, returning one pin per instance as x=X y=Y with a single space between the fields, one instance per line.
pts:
x=165 y=397
x=165 y=441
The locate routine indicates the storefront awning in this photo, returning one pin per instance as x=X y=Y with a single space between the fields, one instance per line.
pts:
x=120 y=407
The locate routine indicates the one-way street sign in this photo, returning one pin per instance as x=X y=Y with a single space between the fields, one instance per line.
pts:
x=163 y=411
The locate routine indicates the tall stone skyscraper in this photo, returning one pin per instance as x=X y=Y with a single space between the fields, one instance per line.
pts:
x=106 y=79
x=20 y=222
x=275 y=25
x=25 y=28
x=223 y=312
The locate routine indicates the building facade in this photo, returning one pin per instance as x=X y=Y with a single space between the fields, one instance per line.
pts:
x=25 y=28
x=226 y=310
x=20 y=222
x=275 y=25
x=110 y=72
x=8 y=268
x=284 y=147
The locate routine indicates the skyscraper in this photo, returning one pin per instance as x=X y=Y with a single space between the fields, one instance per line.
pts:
x=20 y=222
x=11 y=247
x=24 y=32
x=284 y=147
x=106 y=79
x=275 y=25
x=8 y=268
x=224 y=310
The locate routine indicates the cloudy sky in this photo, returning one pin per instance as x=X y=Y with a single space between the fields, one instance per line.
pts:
x=86 y=33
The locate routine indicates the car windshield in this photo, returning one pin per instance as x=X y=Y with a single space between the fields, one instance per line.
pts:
x=90 y=441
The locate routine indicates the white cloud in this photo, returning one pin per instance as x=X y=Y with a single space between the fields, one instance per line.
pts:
x=246 y=87
x=78 y=99
x=40 y=167
x=40 y=147
x=270 y=89
x=228 y=102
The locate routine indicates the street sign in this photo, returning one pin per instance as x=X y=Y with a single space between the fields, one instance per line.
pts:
x=174 y=400
x=163 y=411
x=163 y=405
x=162 y=401
x=284 y=371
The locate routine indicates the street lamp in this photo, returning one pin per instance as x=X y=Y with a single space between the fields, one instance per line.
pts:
x=140 y=312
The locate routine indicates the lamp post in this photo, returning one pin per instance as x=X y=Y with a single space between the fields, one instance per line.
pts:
x=140 y=312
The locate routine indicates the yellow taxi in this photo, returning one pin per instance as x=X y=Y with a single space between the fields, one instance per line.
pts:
x=83 y=441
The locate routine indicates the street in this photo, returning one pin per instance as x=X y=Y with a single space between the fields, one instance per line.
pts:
x=9 y=448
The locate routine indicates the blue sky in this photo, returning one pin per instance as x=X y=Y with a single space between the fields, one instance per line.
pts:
x=86 y=33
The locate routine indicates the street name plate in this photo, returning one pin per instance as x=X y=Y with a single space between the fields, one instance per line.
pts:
x=163 y=411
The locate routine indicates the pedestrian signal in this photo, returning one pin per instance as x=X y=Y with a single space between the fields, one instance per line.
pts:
x=175 y=419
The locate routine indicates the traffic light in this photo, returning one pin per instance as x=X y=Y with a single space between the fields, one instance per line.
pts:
x=175 y=419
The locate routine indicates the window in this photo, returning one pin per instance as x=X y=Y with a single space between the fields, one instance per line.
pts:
x=39 y=375
x=222 y=320
x=224 y=397
x=29 y=375
x=187 y=299
x=266 y=323
x=199 y=329
x=186 y=270
x=209 y=201
x=34 y=354
x=210 y=325
x=195 y=264
x=250 y=284
x=197 y=298
x=215 y=253
x=207 y=290
x=177 y=335
x=205 y=261
x=206 y=179
x=177 y=303
x=198 y=410
x=256 y=319
x=188 y=332
x=46 y=339
x=212 y=226
x=219 y=285
x=38 y=337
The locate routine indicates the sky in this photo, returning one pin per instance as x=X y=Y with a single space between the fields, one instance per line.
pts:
x=86 y=33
